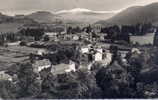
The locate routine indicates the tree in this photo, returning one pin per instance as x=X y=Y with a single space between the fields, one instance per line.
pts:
x=59 y=29
x=36 y=33
x=135 y=68
x=115 y=82
x=88 y=29
x=7 y=90
x=105 y=81
x=46 y=38
x=69 y=30
x=23 y=43
x=114 y=51
x=27 y=81
x=75 y=85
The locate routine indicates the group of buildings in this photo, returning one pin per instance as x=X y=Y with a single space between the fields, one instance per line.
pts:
x=88 y=55
x=53 y=36
x=148 y=38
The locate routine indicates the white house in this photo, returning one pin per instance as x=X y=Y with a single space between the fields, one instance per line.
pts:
x=85 y=50
x=75 y=37
x=4 y=76
x=107 y=59
x=39 y=65
x=41 y=52
x=136 y=50
x=51 y=34
x=104 y=61
x=64 y=68
x=72 y=67
x=14 y=43
x=98 y=55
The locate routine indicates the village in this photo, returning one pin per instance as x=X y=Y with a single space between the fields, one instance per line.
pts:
x=78 y=49
x=73 y=50
x=90 y=45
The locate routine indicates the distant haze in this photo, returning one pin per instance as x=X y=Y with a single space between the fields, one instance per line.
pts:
x=27 y=6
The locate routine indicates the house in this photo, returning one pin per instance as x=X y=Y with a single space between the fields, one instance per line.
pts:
x=98 y=55
x=84 y=50
x=41 y=52
x=14 y=43
x=84 y=36
x=4 y=76
x=52 y=35
x=72 y=67
x=87 y=48
x=64 y=68
x=102 y=36
x=68 y=37
x=135 y=50
x=107 y=58
x=39 y=65
x=143 y=40
x=76 y=37
x=104 y=60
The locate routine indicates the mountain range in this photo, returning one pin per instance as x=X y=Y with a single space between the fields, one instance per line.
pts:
x=73 y=17
x=77 y=15
x=84 y=15
x=129 y=16
x=134 y=15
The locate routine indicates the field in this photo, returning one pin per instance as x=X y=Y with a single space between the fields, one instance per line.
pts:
x=13 y=54
x=146 y=39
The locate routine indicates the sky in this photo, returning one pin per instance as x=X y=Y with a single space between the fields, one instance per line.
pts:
x=28 y=6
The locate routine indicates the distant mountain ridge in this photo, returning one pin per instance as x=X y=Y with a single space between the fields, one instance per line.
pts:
x=84 y=15
x=131 y=15
x=43 y=17
x=134 y=15
x=76 y=15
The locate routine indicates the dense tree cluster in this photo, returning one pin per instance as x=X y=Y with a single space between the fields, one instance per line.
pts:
x=36 y=33
x=63 y=54
x=73 y=85
x=8 y=37
x=122 y=32
x=78 y=29
x=73 y=30
x=114 y=81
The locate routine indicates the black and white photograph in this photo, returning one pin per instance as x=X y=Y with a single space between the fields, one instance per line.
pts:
x=78 y=49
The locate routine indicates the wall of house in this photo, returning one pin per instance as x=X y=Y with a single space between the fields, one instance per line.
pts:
x=72 y=67
x=4 y=76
